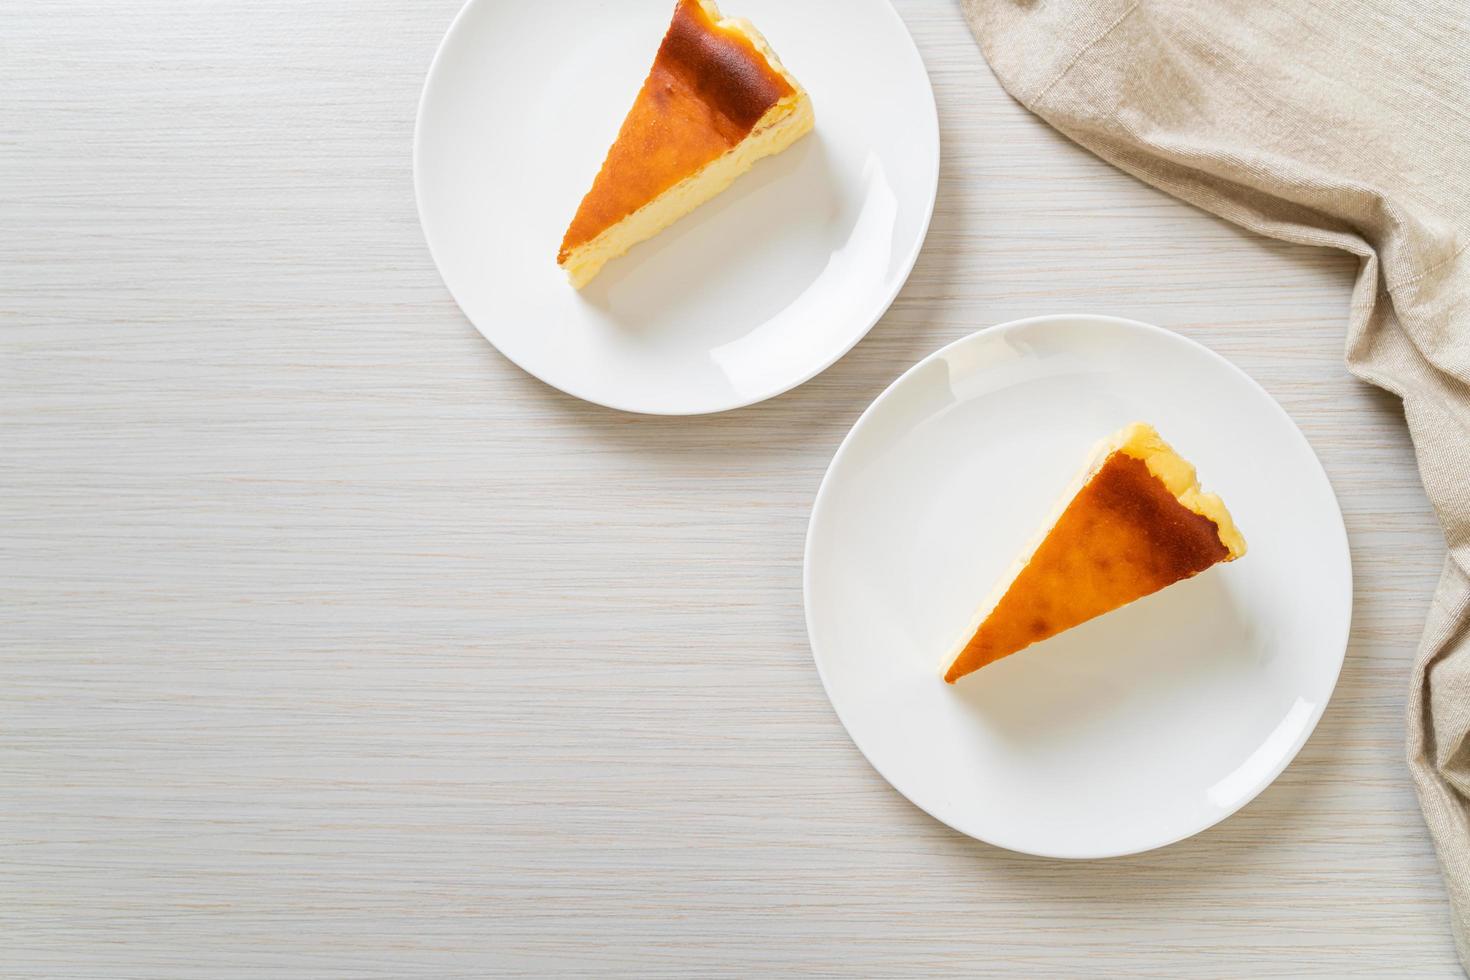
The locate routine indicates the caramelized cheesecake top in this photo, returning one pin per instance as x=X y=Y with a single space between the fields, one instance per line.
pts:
x=708 y=89
x=1125 y=535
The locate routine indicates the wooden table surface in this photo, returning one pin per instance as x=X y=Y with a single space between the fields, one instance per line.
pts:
x=331 y=644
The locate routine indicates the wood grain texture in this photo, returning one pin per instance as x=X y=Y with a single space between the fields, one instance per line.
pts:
x=331 y=644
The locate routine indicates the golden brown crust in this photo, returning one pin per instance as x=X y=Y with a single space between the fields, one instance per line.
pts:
x=1124 y=536
x=708 y=88
x=722 y=68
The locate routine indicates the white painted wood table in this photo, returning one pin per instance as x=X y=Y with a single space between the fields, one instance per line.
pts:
x=331 y=644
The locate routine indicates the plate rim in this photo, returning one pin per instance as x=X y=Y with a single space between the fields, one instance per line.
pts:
x=1011 y=326
x=736 y=401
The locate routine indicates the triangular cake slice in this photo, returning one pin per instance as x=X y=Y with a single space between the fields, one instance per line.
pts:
x=1138 y=524
x=716 y=101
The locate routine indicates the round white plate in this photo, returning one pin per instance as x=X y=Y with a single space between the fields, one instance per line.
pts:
x=1141 y=727
x=753 y=293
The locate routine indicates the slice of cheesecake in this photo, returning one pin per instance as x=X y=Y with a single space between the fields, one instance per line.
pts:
x=1138 y=523
x=716 y=101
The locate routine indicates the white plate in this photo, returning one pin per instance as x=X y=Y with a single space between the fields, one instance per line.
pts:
x=1132 y=731
x=747 y=297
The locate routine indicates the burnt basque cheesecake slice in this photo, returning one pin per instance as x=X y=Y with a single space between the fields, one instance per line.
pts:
x=716 y=101
x=1138 y=524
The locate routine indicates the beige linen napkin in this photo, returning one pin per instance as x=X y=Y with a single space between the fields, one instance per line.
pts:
x=1343 y=123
